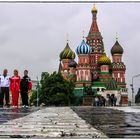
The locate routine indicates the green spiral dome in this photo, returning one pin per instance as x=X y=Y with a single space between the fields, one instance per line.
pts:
x=104 y=60
x=67 y=53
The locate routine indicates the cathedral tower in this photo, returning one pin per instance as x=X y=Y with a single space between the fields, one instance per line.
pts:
x=65 y=57
x=83 y=67
x=104 y=63
x=118 y=67
x=95 y=40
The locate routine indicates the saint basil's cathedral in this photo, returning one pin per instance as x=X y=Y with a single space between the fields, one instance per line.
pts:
x=94 y=68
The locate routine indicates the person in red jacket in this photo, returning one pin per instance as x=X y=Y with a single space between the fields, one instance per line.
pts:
x=15 y=88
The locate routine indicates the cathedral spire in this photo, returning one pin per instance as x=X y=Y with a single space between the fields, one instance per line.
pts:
x=116 y=36
x=83 y=35
x=94 y=27
x=67 y=37
x=95 y=40
x=94 y=9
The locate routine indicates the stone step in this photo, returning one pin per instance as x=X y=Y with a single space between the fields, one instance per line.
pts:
x=51 y=133
x=61 y=128
x=45 y=126
x=68 y=122
x=45 y=137
x=9 y=124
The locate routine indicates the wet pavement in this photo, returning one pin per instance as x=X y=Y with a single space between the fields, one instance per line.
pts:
x=7 y=114
x=63 y=122
x=50 y=122
x=114 y=122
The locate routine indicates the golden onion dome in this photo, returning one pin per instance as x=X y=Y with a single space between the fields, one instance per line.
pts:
x=94 y=9
x=104 y=60
x=67 y=53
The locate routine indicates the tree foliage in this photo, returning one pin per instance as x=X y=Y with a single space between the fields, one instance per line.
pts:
x=55 y=90
x=137 y=97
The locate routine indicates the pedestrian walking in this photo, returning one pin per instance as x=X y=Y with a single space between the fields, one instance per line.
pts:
x=103 y=101
x=114 y=101
x=4 y=88
x=25 y=87
x=100 y=101
x=107 y=101
x=96 y=101
x=15 y=88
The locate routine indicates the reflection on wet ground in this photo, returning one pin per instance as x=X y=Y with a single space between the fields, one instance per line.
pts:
x=50 y=122
x=114 y=123
x=7 y=114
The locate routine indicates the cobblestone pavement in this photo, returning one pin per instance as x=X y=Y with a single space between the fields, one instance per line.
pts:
x=50 y=122
x=7 y=114
x=115 y=122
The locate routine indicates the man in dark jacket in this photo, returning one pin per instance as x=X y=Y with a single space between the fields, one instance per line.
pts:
x=25 y=87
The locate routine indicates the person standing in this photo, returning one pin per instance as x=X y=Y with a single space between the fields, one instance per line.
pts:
x=103 y=101
x=96 y=101
x=4 y=85
x=114 y=101
x=118 y=100
x=25 y=87
x=15 y=88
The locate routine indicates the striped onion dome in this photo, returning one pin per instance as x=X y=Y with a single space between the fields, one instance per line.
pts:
x=104 y=60
x=72 y=63
x=67 y=53
x=83 y=48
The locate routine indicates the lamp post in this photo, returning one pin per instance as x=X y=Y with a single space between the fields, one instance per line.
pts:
x=37 y=91
x=132 y=87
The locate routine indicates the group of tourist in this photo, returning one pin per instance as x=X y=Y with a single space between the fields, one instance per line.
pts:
x=109 y=101
x=16 y=86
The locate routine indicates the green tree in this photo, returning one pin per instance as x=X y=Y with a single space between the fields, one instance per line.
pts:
x=55 y=90
x=137 y=97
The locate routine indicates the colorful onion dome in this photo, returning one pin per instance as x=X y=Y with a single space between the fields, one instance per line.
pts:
x=67 y=53
x=72 y=63
x=83 y=48
x=117 y=48
x=104 y=60
x=94 y=9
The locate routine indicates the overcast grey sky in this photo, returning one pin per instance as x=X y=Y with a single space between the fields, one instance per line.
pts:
x=33 y=35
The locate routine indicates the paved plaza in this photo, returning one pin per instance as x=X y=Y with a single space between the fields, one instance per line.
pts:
x=115 y=122
x=70 y=122
x=50 y=122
